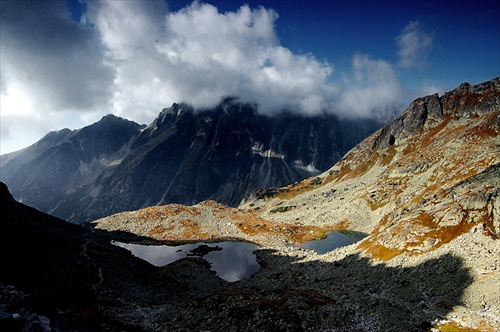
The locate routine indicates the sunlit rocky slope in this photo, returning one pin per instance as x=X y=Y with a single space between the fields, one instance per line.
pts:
x=57 y=276
x=430 y=176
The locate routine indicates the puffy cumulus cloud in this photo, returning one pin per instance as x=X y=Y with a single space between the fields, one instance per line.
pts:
x=199 y=55
x=129 y=32
x=414 y=45
x=372 y=89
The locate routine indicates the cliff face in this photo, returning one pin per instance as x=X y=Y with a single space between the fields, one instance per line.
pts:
x=182 y=157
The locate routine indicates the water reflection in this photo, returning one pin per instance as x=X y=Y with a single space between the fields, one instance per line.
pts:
x=231 y=261
x=333 y=241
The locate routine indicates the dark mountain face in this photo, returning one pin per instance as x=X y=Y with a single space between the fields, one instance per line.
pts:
x=182 y=157
x=61 y=162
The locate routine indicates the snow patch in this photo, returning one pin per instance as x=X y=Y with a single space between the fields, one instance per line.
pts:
x=310 y=170
x=258 y=148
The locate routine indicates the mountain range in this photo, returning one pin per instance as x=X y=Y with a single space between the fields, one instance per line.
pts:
x=424 y=191
x=184 y=156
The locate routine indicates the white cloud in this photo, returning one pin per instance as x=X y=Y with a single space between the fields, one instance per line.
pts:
x=374 y=88
x=133 y=58
x=199 y=55
x=414 y=45
x=55 y=60
x=50 y=66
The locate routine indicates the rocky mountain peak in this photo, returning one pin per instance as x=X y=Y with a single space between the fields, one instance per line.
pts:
x=432 y=110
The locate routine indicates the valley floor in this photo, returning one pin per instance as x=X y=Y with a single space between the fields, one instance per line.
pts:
x=453 y=288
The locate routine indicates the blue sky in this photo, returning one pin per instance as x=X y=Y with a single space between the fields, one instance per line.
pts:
x=68 y=63
x=466 y=45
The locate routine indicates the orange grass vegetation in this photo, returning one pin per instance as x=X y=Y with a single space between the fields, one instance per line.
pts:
x=455 y=327
x=368 y=161
x=342 y=225
x=215 y=206
x=446 y=177
x=383 y=197
x=388 y=155
x=488 y=127
x=491 y=231
x=298 y=188
x=443 y=234
x=251 y=225
x=332 y=175
x=162 y=212
x=186 y=229
x=361 y=164
x=472 y=100
x=427 y=137
x=374 y=205
x=379 y=251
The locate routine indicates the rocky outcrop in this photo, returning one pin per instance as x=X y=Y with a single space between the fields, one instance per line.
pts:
x=427 y=112
x=420 y=112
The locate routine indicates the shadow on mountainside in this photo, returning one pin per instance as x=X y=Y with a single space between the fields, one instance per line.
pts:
x=351 y=294
x=76 y=278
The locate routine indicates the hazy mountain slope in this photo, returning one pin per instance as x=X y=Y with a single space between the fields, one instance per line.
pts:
x=61 y=162
x=182 y=157
x=34 y=151
x=222 y=155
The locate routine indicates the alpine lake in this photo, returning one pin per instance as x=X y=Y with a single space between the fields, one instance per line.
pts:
x=230 y=260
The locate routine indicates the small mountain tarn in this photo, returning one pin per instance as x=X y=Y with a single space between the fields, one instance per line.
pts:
x=230 y=260
x=333 y=240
